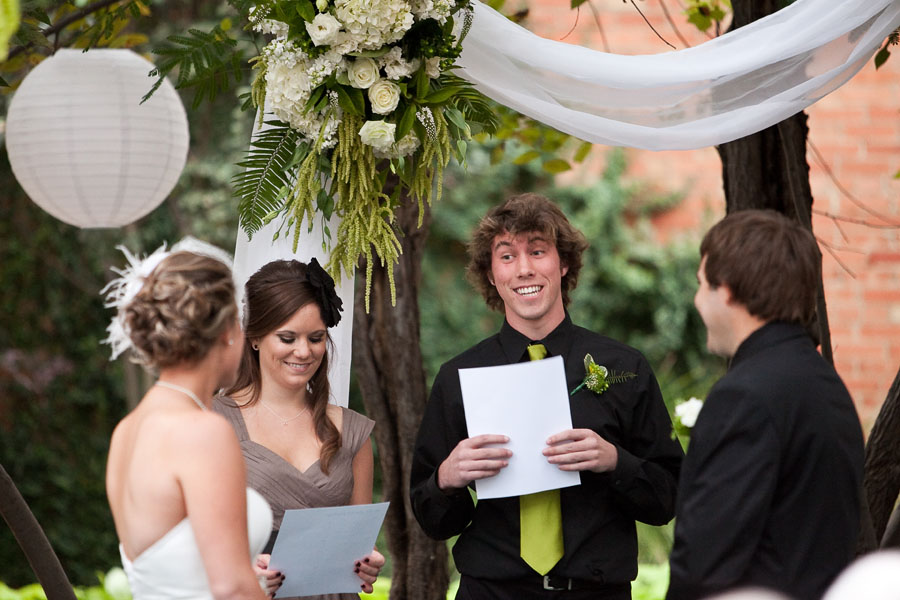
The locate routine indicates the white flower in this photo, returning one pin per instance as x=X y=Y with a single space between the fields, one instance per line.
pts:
x=321 y=5
x=374 y=23
x=378 y=134
x=323 y=29
x=687 y=411
x=384 y=96
x=115 y=583
x=433 y=67
x=363 y=72
x=405 y=147
x=394 y=65
x=432 y=9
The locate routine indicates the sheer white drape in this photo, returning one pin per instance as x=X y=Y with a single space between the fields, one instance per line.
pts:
x=723 y=89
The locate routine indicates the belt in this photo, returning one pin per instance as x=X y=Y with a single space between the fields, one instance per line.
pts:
x=559 y=583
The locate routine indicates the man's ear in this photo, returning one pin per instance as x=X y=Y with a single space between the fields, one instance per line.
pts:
x=563 y=269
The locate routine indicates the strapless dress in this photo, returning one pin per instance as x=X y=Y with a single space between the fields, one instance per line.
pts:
x=172 y=567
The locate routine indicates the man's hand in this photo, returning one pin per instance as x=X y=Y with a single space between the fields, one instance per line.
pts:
x=470 y=461
x=581 y=450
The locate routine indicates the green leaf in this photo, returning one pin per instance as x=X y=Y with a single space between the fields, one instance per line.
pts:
x=306 y=10
x=442 y=95
x=556 y=165
x=457 y=118
x=266 y=174
x=422 y=83
x=404 y=125
x=897 y=175
x=526 y=157
x=882 y=56
x=3 y=83
x=351 y=100
x=582 y=152
x=577 y=3
x=325 y=203
x=314 y=98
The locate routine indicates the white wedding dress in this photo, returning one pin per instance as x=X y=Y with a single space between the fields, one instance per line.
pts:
x=172 y=567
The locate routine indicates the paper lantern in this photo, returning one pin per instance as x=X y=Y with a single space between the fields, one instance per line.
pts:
x=82 y=145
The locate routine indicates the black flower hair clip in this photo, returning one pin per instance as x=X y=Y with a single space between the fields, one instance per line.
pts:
x=323 y=288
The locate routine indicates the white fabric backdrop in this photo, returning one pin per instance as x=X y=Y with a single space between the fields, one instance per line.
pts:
x=721 y=90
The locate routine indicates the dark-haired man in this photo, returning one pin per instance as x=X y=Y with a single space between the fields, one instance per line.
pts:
x=769 y=494
x=578 y=542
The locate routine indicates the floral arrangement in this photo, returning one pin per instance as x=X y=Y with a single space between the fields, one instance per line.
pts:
x=358 y=89
x=686 y=413
x=597 y=377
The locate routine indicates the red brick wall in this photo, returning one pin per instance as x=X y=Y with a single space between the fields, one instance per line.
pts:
x=857 y=131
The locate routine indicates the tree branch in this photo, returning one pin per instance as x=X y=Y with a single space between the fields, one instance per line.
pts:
x=65 y=22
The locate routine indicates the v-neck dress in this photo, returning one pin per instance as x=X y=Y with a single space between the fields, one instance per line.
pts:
x=284 y=486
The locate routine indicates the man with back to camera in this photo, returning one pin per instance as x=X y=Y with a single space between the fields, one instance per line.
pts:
x=770 y=490
x=578 y=542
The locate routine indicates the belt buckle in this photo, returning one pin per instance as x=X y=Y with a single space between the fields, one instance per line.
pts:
x=557 y=588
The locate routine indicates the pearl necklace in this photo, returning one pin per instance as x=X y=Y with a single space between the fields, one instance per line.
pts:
x=284 y=421
x=184 y=391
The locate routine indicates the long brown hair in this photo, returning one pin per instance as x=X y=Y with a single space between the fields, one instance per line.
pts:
x=273 y=294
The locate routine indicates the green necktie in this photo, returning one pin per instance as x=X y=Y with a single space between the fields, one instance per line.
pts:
x=540 y=516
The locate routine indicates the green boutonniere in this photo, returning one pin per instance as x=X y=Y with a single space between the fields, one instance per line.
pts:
x=598 y=378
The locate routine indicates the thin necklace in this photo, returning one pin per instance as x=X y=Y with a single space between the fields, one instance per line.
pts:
x=184 y=391
x=284 y=421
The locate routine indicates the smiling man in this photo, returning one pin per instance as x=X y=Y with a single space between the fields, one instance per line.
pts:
x=578 y=542
x=770 y=490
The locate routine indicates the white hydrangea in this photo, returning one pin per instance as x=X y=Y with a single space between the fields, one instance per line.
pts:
x=290 y=79
x=374 y=23
x=395 y=66
x=438 y=10
x=324 y=66
x=406 y=146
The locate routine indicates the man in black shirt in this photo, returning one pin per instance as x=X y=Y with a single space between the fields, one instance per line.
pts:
x=770 y=490
x=525 y=259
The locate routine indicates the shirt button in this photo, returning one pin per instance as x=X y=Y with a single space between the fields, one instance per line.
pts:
x=597 y=571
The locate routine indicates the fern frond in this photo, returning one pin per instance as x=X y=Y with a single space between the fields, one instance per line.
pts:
x=267 y=176
x=614 y=377
x=204 y=61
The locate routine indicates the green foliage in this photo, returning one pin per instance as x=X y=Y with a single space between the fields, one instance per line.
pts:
x=703 y=13
x=204 y=61
x=882 y=55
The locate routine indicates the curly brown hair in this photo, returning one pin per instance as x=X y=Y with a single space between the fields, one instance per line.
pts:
x=273 y=294
x=185 y=304
x=521 y=214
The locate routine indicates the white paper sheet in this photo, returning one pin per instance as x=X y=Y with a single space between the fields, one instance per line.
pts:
x=528 y=402
x=316 y=548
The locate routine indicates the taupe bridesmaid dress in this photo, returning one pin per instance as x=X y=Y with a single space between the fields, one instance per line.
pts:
x=284 y=486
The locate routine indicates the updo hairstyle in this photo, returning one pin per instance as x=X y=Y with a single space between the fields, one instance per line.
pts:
x=183 y=307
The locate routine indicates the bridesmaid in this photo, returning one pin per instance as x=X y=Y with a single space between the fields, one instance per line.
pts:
x=301 y=451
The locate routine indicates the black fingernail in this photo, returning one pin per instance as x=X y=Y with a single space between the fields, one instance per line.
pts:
x=357 y=564
x=356 y=570
x=367 y=560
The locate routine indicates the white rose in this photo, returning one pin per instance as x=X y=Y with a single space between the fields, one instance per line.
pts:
x=384 y=96
x=321 y=5
x=378 y=134
x=363 y=72
x=323 y=29
x=687 y=411
x=433 y=67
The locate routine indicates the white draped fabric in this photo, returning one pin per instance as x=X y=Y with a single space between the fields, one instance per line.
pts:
x=721 y=90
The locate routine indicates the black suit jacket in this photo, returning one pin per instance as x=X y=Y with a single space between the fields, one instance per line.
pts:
x=598 y=515
x=769 y=493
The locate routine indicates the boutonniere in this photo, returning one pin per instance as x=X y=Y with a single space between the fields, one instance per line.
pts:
x=598 y=378
x=686 y=413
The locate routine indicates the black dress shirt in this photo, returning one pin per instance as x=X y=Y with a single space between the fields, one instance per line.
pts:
x=770 y=490
x=598 y=515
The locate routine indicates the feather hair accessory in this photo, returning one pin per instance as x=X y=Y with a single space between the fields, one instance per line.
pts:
x=123 y=289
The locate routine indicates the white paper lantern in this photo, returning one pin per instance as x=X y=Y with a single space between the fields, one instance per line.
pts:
x=85 y=149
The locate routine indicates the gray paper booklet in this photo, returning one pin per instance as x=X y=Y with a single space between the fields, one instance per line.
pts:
x=317 y=548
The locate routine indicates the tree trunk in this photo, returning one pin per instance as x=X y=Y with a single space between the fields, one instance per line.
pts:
x=388 y=362
x=882 y=479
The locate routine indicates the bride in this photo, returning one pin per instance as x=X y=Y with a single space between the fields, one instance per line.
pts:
x=175 y=478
